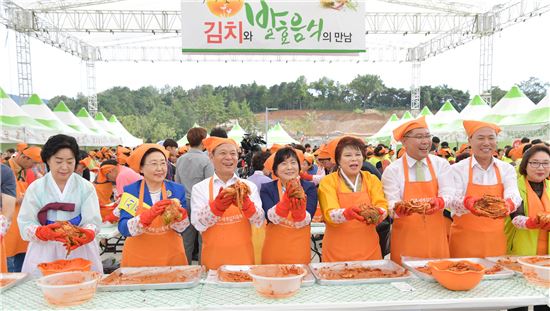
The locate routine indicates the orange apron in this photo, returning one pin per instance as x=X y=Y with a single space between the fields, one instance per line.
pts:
x=153 y=249
x=104 y=192
x=3 y=259
x=538 y=206
x=474 y=236
x=285 y=244
x=229 y=241
x=423 y=236
x=351 y=240
x=13 y=242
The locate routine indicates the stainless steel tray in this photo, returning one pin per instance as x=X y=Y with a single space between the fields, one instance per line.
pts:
x=18 y=277
x=381 y=264
x=195 y=272
x=212 y=277
x=496 y=259
x=413 y=264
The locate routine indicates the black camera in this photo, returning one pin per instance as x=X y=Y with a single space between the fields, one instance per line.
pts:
x=250 y=144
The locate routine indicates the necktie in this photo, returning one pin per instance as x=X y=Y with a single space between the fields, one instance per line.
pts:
x=419 y=169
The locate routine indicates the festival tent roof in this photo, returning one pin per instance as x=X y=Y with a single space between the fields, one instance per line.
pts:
x=101 y=120
x=85 y=118
x=545 y=102
x=385 y=131
x=277 y=135
x=407 y=116
x=513 y=103
x=476 y=109
x=236 y=133
x=447 y=123
x=18 y=126
x=425 y=112
x=128 y=139
x=36 y=108
x=183 y=141
x=65 y=115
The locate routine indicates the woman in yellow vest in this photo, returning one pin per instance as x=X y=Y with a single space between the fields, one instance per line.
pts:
x=287 y=236
x=349 y=236
x=526 y=234
x=150 y=241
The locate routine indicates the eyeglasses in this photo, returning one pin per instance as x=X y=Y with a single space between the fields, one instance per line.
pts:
x=156 y=165
x=419 y=137
x=539 y=164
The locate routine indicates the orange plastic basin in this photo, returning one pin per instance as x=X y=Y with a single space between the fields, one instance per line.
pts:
x=456 y=280
x=62 y=265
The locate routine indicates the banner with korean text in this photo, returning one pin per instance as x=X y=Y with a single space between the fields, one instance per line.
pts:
x=279 y=26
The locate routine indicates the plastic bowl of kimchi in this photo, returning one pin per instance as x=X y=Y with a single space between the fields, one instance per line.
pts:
x=62 y=265
x=536 y=269
x=457 y=275
x=69 y=288
x=277 y=281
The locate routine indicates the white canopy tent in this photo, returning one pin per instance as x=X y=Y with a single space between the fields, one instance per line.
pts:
x=36 y=108
x=278 y=135
x=128 y=139
x=17 y=126
x=66 y=116
x=476 y=109
x=85 y=118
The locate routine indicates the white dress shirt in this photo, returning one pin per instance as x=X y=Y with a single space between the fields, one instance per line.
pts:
x=202 y=217
x=393 y=179
x=481 y=176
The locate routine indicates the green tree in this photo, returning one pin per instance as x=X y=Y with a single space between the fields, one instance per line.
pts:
x=534 y=88
x=363 y=88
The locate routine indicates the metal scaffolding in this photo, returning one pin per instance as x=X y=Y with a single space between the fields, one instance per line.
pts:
x=24 y=68
x=486 y=68
x=62 y=23
x=415 y=87
x=90 y=83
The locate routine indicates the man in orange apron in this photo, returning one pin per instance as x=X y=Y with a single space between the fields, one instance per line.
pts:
x=7 y=207
x=418 y=175
x=24 y=160
x=472 y=235
x=225 y=229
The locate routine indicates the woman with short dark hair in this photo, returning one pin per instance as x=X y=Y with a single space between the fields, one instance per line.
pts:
x=353 y=203
x=287 y=237
x=61 y=195
x=153 y=237
x=527 y=229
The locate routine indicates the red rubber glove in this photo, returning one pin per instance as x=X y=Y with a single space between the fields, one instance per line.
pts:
x=111 y=218
x=469 y=202
x=46 y=233
x=306 y=176
x=352 y=213
x=510 y=206
x=221 y=203
x=184 y=214
x=283 y=207
x=532 y=223
x=298 y=209
x=249 y=209
x=436 y=204
x=147 y=217
x=89 y=236
x=400 y=210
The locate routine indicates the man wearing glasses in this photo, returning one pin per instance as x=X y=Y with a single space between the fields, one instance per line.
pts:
x=423 y=177
x=482 y=174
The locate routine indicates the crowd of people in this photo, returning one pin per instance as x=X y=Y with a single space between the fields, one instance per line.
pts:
x=363 y=193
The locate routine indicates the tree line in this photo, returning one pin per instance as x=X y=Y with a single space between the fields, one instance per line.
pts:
x=168 y=112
